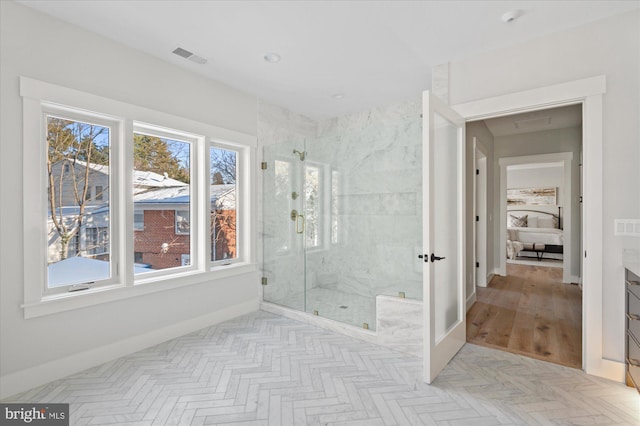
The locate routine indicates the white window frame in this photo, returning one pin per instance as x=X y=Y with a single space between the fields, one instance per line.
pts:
x=196 y=143
x=243 y=157
x=36 y=95
x=114 y=125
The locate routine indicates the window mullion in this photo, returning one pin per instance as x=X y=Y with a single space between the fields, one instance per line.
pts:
x=125 y=202
x=205 y=167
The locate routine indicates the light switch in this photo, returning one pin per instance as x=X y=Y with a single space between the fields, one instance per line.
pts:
x=627 y=227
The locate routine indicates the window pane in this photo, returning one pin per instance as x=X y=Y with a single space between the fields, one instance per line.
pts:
x=77 y=223
x=223 y=203
x=161 y=200
x=138 y=221
x=313 y=205
x=335 y=206
x=182 y=222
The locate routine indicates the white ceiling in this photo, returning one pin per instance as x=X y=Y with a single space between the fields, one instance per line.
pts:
x=373 y=52
x=536 y=121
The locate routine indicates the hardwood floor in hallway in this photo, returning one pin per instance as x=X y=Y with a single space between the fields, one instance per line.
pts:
x=529 y=312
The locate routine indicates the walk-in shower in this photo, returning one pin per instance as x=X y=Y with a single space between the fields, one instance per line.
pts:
x=342 y=213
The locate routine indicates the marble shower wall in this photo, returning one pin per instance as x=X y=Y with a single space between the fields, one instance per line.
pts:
x=374 y=160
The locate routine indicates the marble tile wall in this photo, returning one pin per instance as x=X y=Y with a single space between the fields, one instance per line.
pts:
x=377 y=156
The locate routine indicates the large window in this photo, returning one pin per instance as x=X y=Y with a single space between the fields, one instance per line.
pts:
x=119 y=208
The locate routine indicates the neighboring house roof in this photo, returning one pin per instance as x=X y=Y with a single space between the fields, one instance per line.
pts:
x=81 y=270
x=101 y=168
x=222 y=195
x=141 y=178
x=154 y=180
x=180 y=195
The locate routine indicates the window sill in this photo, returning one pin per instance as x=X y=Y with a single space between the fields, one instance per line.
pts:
x=48 y=305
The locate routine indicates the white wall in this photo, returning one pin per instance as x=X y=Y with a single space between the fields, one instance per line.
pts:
x=608 y=47
x=536 y=177
x=41 y=47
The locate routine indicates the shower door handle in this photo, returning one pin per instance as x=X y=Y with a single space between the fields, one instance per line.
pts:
x=300 y=224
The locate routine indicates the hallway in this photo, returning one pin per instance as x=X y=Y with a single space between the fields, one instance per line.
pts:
x=529 y=312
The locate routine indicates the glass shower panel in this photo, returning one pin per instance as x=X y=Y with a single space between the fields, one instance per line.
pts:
x=284 y=225
x=356 y=189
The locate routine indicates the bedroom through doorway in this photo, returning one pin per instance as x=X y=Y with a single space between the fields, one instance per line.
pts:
x=532 y=302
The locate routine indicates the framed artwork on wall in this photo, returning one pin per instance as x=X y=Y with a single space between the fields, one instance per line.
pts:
x=532 y=196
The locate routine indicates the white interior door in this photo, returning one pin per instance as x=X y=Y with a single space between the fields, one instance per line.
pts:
x=443 y=235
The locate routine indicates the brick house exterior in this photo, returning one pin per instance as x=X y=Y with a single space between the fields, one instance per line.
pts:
x=162 y=240
x=159 y=229
x=161 y=221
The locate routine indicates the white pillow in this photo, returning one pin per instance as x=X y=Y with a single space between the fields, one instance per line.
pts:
x=532 y=222
x=547 y=222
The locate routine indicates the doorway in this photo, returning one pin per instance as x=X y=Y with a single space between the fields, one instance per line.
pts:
x=590 y=93
x=529 y=307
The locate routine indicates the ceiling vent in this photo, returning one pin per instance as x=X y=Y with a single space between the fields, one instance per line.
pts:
x=529 y=123
x=184 y=53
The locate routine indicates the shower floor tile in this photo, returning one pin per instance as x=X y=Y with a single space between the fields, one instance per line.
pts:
x=349 y=308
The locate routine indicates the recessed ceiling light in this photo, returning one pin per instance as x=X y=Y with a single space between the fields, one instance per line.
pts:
x=272 y=57
x=510 y=16
x=338 y=96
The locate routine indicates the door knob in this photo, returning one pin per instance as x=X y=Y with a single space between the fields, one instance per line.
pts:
x=434 y=257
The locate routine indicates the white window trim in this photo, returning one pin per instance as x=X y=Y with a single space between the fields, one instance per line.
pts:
x=114 y=124
x=36 y=303
x=244 y=167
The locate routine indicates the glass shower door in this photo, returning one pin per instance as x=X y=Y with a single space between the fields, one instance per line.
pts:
x=284 y=225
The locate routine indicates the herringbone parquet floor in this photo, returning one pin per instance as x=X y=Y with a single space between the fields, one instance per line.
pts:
x=262 y=369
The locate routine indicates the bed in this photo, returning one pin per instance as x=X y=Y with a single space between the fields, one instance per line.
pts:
x=534 y=233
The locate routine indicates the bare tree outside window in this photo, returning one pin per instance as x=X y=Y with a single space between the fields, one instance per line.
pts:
x=77 y=152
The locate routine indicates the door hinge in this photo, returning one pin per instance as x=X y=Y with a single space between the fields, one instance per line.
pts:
x=477 y=171
x=477 y=264
x=477 y=218
x=263 y=165
x=263 y=281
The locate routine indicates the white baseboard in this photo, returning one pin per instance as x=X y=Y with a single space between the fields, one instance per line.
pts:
x=606 y=368
x=471 y=300
x=20 y=381
x=490 y=276
x=575 y=279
